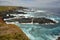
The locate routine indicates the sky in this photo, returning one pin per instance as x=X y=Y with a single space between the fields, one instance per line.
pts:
x=31 y=3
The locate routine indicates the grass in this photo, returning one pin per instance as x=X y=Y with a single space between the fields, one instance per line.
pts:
x=11 y=32
x=5 y=8
x=16 y=36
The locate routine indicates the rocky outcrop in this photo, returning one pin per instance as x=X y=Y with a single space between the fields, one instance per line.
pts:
x=43 y=20
x=34 y=20
x=58 y=38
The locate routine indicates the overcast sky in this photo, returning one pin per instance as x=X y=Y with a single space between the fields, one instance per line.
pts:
x=31 y=3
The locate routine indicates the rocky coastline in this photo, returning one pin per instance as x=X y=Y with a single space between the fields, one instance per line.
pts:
x=32 y=20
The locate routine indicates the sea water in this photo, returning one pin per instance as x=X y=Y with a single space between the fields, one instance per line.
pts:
x=42 y=32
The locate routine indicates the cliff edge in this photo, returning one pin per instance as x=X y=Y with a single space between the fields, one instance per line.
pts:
x=11 y=32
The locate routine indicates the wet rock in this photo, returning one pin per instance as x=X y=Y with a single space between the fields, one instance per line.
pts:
x=34 y=20
x=58 y=38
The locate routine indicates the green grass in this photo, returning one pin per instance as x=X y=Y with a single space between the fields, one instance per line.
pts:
x=4 y=8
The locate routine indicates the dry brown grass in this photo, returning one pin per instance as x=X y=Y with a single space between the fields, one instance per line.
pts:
x=11 y=32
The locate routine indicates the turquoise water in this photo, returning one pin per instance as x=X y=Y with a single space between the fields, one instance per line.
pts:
x=41 y=32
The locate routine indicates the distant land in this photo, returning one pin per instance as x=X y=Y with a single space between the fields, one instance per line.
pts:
x=6 y=8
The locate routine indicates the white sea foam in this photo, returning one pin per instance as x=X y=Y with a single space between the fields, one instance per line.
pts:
x=28 y=34
x=56 y=37
x=11 y=22
x=39 y=11
x=54 y=20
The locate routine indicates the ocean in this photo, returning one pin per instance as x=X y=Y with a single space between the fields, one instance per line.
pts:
x=42 y=32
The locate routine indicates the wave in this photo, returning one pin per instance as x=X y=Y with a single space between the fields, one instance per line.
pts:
x=39 y=11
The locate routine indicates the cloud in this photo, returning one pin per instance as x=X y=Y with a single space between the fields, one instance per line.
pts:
x=31 y=3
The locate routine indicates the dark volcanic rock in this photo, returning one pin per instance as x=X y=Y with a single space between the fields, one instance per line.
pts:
x=34 y=20
x=21 y=13
x=58 y=38
x=25 y=20
x=6 y=17
x=43 y=20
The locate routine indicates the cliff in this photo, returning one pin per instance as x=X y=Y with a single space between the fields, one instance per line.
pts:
x=11 y=32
